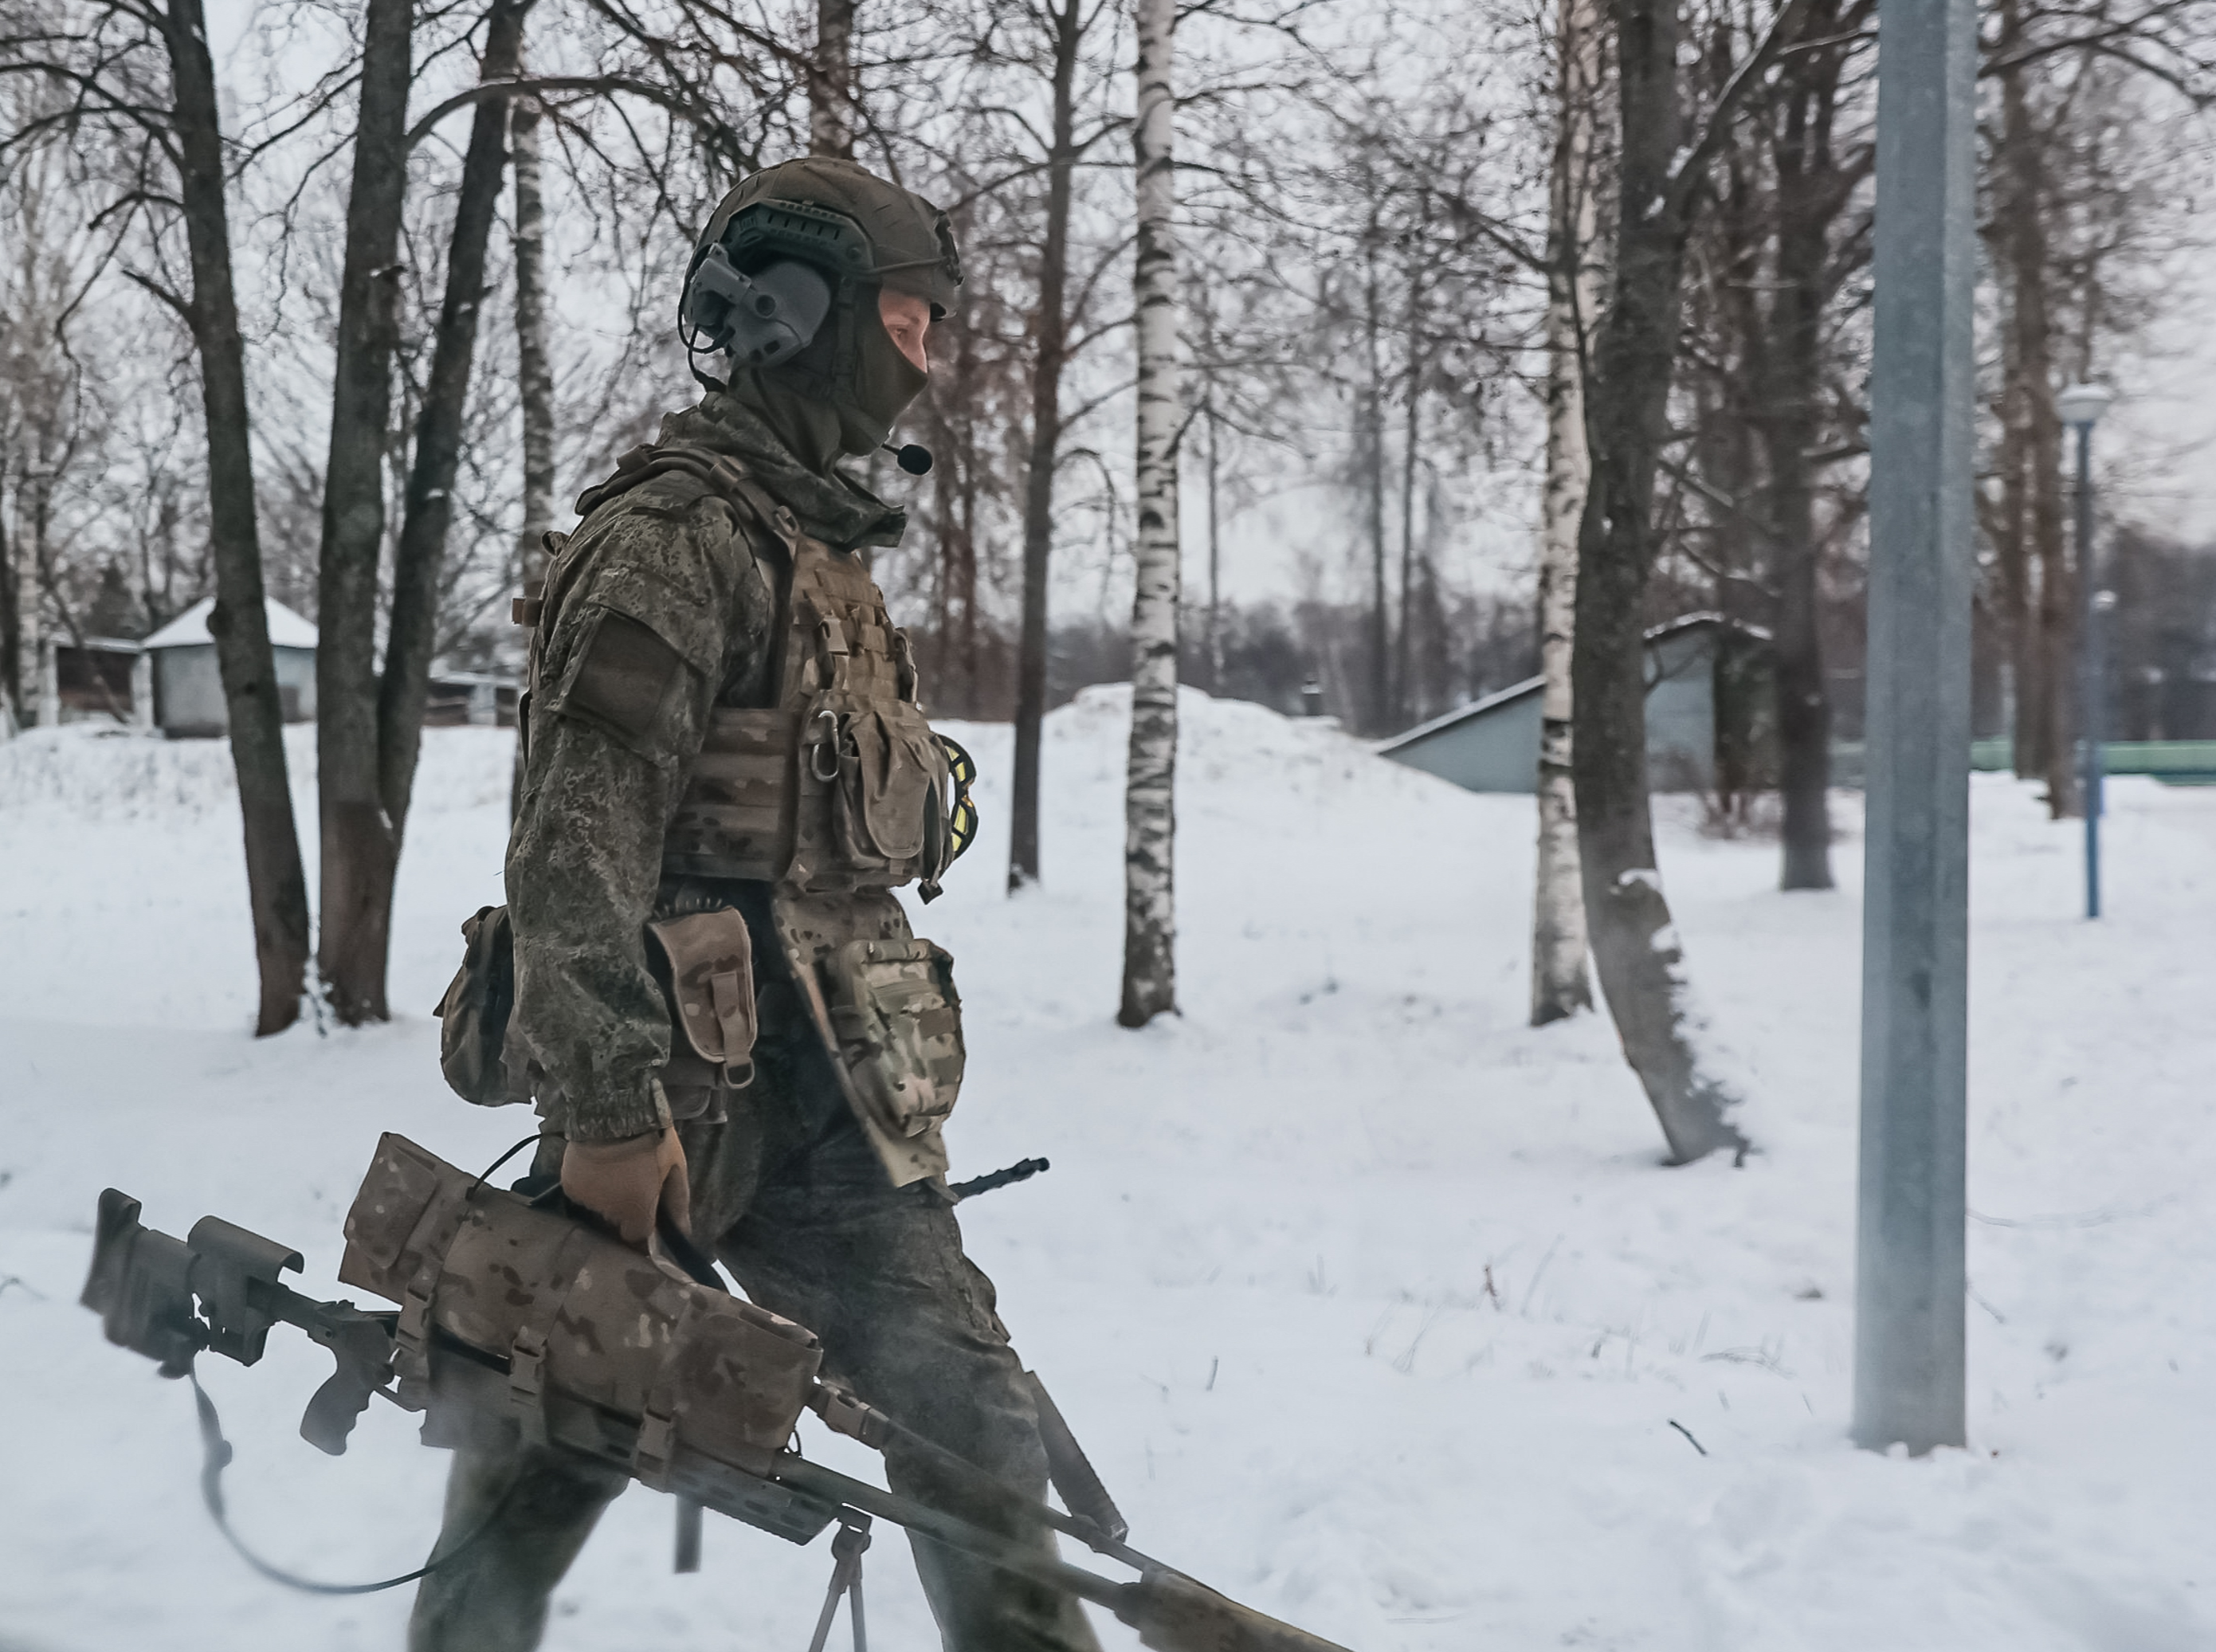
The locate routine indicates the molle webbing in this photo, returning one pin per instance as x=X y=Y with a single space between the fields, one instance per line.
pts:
x=840 y=785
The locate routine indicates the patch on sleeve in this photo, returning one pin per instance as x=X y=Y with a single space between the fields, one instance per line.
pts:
x=625 y=677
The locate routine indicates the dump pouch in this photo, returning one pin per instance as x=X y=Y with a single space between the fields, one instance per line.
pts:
x=898 y=1019
x=473 y=1016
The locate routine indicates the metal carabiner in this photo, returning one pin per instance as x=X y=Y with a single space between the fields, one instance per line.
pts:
x=830 y=743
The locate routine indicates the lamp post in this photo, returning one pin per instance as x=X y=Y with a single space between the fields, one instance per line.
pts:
x=2081 y=407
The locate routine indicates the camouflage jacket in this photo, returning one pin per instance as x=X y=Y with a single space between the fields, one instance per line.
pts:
x=663 y=613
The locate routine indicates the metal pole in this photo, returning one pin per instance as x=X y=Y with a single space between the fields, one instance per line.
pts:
x=1909 y=1281
x=2091 y=668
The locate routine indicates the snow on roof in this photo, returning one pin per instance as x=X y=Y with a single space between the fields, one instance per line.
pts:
x=190 y=628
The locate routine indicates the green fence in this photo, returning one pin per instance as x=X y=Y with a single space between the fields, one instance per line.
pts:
x=2174 y=762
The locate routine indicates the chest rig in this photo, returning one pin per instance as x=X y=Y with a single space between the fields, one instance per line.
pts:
x=839 y=785
x=833 y=794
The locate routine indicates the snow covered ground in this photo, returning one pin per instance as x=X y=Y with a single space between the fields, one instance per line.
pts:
x=1374 y=1307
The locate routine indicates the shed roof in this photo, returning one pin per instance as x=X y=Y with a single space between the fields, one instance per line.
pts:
x=190 y=628
x=1514 y=691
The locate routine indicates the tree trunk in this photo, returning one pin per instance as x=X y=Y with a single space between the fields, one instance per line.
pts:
x=22 y=628
x=358 y=842
x=1067 y=26
x=1379 y=712
x=1635 y=944
x=1412 y=432
x=954 y=487
x=276 y=887
x=1808 y=194
x=831 y=81
x=1149 y=815
x=2046 y=640
x=1214 y=648
x=411 y=637
x=1561 y=984
x=10 y=626
x=534 y=366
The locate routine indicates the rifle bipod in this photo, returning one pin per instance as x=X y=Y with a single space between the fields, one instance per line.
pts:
x=846 y=1550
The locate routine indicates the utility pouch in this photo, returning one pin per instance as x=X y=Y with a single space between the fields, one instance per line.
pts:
x=712 y=988
x=473 y=1016
x=898 y=1019
x=892 y=782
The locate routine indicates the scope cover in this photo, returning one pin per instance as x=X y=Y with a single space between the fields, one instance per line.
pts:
x=574 y=1315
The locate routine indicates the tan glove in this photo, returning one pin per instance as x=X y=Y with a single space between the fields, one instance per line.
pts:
x=628 y=1182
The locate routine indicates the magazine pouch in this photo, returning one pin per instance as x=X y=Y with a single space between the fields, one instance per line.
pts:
x=712 y=988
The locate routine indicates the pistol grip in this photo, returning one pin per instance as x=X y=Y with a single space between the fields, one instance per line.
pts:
x=331 y=1413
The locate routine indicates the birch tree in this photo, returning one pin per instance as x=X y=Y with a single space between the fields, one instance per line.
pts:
x=1560 y=986
x=1149 y=815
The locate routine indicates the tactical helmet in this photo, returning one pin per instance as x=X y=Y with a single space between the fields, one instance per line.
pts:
x=786 y=275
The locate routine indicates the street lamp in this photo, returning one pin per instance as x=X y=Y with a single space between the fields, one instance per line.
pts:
x=2081 y=407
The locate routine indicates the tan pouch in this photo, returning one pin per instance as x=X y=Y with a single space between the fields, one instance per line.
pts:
x=892 y=779
x=712 y=988
x=473 y=1016
x=898 y=1021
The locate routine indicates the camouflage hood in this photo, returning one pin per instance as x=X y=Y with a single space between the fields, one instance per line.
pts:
x=831 y=505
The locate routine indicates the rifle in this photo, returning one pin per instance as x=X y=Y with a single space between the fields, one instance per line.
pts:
x=703 y=1407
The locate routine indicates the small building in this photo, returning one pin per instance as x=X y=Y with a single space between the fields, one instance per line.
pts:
x=189 y=699
x=1694 y=666
x=458 y=699
x=96 y=680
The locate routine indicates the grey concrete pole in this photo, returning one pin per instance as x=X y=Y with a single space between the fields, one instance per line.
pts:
x=1909 y=1281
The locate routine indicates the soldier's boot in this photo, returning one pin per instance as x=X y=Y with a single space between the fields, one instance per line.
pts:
x=542 y=1505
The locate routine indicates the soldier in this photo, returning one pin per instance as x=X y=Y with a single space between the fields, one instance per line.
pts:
x=727 y=768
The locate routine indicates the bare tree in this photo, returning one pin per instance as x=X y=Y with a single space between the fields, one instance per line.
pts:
x=360 y=848
x=535 y=369
x=1066 y=24
x=1561 y=984
x=139 y=72
x=1150 y=818
x=831 y=81
x=1662 y=179
x=416 y=565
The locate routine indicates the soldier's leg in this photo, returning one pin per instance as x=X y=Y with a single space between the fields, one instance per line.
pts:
x=906 y=1317
x=542 y=1505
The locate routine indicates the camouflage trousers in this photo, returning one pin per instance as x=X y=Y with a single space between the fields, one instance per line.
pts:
x=810 y=1229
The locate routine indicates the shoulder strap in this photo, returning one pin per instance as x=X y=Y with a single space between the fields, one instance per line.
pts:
x=720 y=473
